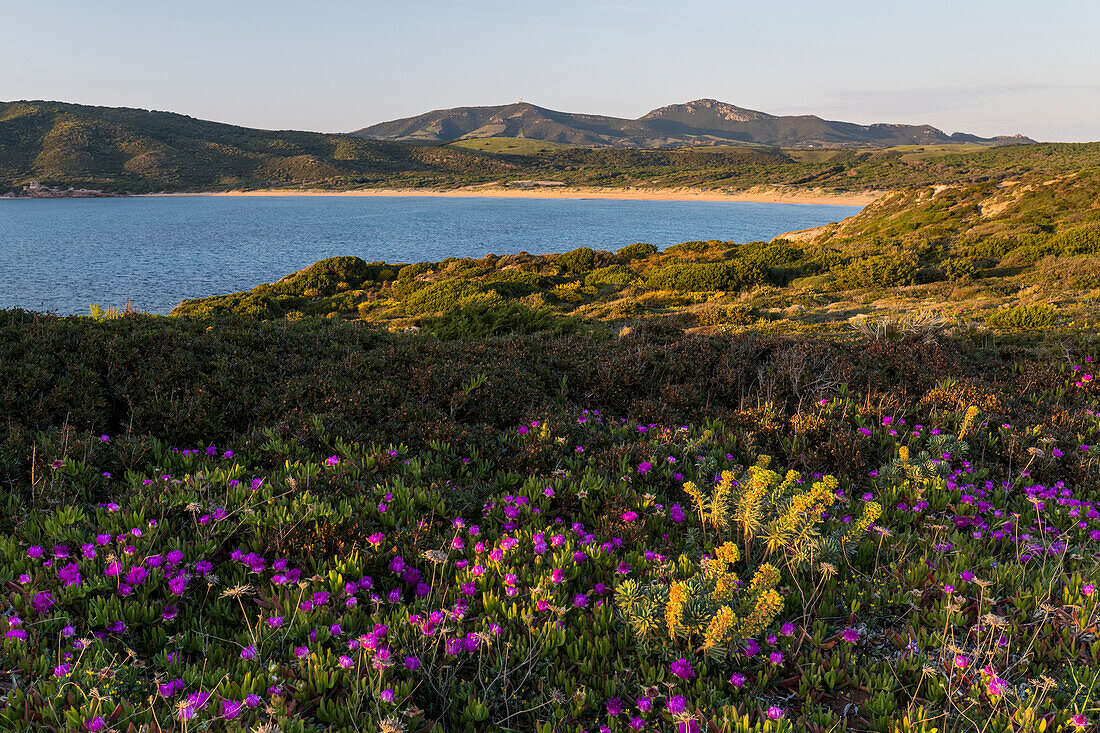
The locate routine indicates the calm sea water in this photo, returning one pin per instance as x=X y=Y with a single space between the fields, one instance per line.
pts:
x=62 y=255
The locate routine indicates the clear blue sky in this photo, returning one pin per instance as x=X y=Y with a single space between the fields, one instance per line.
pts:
x=987 y=67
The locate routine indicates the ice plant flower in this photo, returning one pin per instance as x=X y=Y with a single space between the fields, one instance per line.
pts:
x=682 y=669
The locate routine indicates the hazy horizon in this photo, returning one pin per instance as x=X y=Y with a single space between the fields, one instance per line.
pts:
x=986 y=69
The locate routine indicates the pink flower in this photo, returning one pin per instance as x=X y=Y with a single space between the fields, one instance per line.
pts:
x=332 y=460
x=995 y=687
x=346 y=662
x=775 y=713
x=961 y=661
x=851 y=636
x=682 y=669
x=1088 y=590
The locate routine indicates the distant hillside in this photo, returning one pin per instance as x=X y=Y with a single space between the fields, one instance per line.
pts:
x=123 y=150
x=120 y=149
x=704 y=121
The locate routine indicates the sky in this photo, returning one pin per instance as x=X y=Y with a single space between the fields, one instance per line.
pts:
x=987 y=68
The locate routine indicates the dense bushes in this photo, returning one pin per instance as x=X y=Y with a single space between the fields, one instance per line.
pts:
x=710 y=276
x=440 y=296
x=637 y=251
x=882 y=271
x=1032 y=315
x=578 y=261
x=326 y=276
x=479 y=320
x=611 y=275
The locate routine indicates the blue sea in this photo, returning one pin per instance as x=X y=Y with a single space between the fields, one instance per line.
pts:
x=62 y=255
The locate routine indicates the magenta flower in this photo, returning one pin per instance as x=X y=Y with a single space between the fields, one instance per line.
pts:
x=629 y=516
x=644 y=467
x=775 y=713
x=332 y=460
x=249 y=653
x=995 y=687
x=95 y=724
x=961 y=661
x=346 y=662
x=682 y=669
x=737 y=680
x=851 y=636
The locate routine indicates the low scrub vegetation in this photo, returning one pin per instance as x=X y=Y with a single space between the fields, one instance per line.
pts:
x=227 y=525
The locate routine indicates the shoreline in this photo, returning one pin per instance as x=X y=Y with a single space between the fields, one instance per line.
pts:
x=766 y=196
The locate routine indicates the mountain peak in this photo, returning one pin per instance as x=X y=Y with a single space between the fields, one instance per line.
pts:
x=701 y=108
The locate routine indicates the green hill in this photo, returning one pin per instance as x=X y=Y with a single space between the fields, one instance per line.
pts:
x=128 y=150
x=701 y=122
x=131 y=150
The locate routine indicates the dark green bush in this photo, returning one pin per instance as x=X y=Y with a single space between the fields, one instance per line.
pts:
x=324 y=276
x=441 y=296
x=957 y=268
x=1077 y=241
x=479 y=320
x=613 y=275
x=704 y=277
x=637 y=251
x=883 y=271
x=578 y=261
x=774 y=254
x=692 y=247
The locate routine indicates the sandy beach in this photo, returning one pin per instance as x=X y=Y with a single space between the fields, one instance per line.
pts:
x=812 y=196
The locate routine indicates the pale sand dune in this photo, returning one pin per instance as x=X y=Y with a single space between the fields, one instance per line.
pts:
x=861 y=198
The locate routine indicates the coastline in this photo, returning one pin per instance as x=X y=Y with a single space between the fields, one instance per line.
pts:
x=756 y=195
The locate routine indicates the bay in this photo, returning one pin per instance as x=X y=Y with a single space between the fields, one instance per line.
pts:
x=62 y=255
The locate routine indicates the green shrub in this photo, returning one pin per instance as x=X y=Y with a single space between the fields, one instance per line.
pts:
x=957 y=268
x=692 y=247
x=613 y=275
x=724 y=315
x=1077 y=241
x=409 y=272
x=478 y=320
x=707 y=277
x=578 y=261
x=992 y=247
x=637 y=251
x=775 y=254
x=324 y=277
x=883 y=271
x=1031 y=315
x=441 y=296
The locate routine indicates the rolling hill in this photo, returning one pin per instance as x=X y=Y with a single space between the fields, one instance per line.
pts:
x=123 y=150
x=702 y=122
x=132 y=150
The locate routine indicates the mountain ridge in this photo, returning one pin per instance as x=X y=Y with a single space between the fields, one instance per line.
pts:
x=699 y=122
